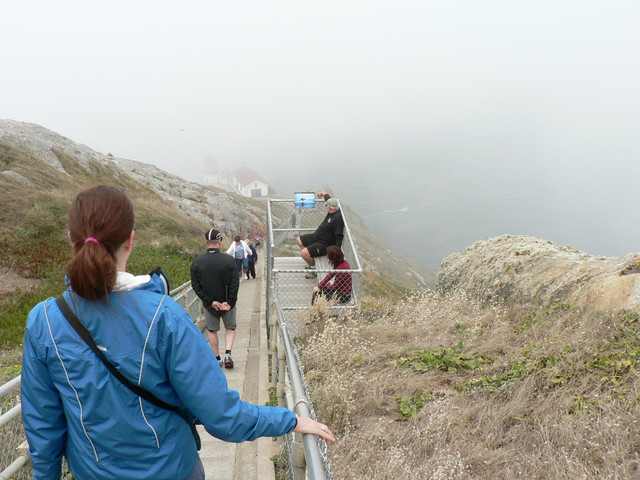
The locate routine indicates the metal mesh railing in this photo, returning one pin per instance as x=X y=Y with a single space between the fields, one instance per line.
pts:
x=290 y=292
x=12 y=432
x=187 y=298
x=292 y=282
x=306 y=455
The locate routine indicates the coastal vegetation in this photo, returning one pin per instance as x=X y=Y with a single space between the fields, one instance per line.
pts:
x=443 y=387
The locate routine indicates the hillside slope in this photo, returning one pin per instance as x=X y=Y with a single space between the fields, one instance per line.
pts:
x=39 y=167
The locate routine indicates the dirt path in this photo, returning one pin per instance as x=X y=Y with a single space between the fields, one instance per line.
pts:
x=11 y=281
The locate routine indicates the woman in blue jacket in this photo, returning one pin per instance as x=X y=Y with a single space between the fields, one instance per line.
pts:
x=72 y=406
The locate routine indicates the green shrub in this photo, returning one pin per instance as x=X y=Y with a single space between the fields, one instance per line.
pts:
x=446 y=359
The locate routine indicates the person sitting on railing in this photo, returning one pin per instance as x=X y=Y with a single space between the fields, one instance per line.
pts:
x=341 y=287
x=329 y=232
x=122 y=406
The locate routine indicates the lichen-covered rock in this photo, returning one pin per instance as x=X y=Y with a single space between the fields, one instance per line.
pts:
x=513 y=268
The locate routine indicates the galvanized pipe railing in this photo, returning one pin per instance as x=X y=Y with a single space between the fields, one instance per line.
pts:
x=312 y=453
x=289 y=297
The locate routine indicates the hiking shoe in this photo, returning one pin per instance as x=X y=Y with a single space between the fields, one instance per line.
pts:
x=311 y=275
x=228 y=361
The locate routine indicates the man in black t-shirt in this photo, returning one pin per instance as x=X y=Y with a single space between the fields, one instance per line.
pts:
x=214 y=278
x=330 y=232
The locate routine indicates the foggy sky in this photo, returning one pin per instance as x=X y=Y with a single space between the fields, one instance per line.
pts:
x=300 y=90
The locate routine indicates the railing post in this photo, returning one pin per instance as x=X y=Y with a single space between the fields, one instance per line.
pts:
x=298 y=461
x=273 y=351
x=281 y=370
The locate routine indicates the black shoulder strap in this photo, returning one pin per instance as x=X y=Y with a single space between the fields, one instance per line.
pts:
x=88 y=339
x=137 y=389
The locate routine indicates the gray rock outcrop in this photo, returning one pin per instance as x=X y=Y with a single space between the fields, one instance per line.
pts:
x=226 y=211
x=513 y=268
x=43 y=143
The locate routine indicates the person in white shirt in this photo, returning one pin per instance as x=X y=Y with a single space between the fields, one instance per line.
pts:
x=241 y=252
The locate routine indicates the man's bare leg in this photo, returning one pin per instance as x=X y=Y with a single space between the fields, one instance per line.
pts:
x=229 y=338
x=213 y=341
x=306 y=256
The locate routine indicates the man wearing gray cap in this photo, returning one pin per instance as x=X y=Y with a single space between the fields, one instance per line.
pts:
x=330 y=232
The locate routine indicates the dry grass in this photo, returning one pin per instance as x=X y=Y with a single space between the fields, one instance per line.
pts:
x=539 y=394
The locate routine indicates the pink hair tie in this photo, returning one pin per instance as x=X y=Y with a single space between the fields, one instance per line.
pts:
x=91 y=239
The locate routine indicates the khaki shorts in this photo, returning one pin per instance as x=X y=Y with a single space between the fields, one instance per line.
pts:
x=213 y=322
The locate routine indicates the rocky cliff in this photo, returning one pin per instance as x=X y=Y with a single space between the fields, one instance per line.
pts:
x=230 y=213
x=513 y=268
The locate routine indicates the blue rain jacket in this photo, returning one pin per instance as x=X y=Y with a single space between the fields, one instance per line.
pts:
x=73 y=406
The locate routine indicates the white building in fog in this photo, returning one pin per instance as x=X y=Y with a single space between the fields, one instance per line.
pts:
x=243 y=181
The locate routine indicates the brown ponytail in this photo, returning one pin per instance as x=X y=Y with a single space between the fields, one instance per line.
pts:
x=100 y=220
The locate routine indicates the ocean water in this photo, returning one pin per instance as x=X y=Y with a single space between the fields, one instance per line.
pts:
x=428 y=209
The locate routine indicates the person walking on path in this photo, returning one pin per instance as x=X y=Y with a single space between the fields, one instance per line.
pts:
x=240 y=251
x=253 y=259
x=329 y=232
x=74 y=406
x=215 y=280
x=341 y=287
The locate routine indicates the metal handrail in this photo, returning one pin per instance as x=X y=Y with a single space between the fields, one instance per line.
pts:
x=286 y=365
x=313 y=456
x=22 y=461
x=10 y=385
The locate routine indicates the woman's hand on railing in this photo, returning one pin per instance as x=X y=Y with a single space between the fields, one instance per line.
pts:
x=309 y=425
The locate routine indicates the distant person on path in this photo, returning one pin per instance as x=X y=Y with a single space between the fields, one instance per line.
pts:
x=74 y=407
x=240 y=251
x=341 y=287
x=214 y=278
x=253 y=259
x=330 y=232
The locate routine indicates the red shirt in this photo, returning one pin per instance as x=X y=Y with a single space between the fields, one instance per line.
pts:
x=342 y=282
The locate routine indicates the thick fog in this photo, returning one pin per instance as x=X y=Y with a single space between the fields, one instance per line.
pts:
x=441 y=123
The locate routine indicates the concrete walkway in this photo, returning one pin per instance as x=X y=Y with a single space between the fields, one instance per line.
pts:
x=250 y=377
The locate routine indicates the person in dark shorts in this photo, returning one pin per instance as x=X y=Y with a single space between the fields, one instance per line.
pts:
x=214 y=278
x=329 y=232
